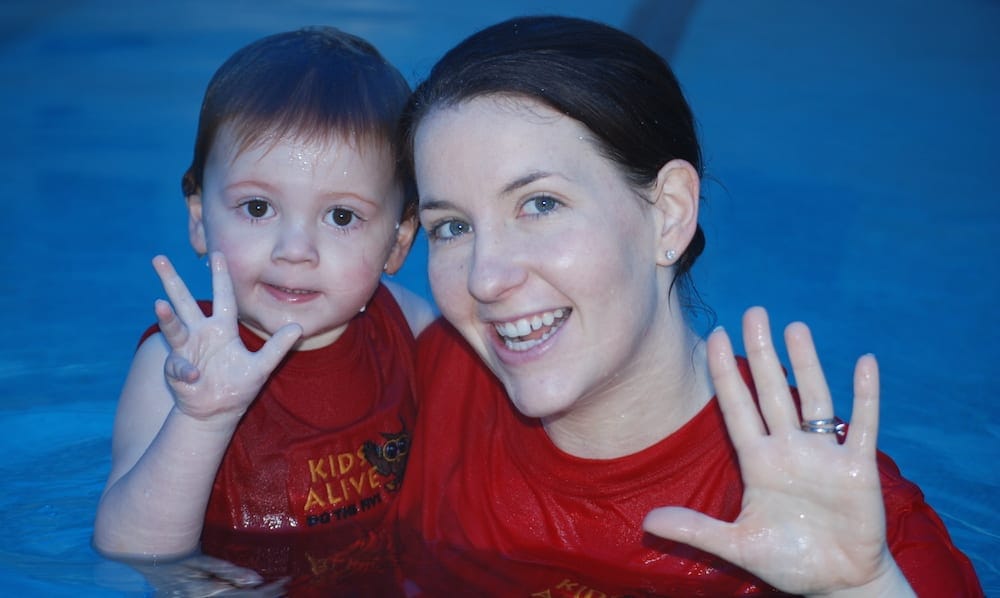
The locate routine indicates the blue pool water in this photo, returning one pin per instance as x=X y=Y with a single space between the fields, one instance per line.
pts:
x=850 y=147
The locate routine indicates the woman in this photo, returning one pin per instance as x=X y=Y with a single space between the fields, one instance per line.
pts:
x=566 y=397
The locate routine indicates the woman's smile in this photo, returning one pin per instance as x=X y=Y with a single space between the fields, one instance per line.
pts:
x=527 y=333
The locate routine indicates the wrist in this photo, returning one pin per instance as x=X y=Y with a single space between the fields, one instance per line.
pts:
x=219 y=421
x=891 y=583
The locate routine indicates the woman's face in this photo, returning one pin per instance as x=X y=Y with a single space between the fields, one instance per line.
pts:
x=541 y=254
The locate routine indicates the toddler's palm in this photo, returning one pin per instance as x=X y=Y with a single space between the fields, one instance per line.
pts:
x=209 y=369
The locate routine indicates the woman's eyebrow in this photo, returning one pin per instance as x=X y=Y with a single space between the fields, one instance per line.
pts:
x=435 y=204
x=524 y=181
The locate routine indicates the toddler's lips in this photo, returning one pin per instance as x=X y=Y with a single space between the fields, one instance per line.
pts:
x=288 y=295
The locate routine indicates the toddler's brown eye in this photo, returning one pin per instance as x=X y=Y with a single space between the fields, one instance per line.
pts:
x=256 y=208
x=341 y=217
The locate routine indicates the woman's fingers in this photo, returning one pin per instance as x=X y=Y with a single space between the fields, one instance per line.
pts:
x=738 y=409
x=695 y=529
x=863 y=433
x=814 y=393
x=768 y=376
x=184 y=304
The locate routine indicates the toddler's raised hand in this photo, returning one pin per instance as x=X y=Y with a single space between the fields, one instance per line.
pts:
x=209 y=369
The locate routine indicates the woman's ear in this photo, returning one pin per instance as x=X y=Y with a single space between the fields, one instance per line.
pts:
x=405 y=233
x=196 y=224
x=675 y=199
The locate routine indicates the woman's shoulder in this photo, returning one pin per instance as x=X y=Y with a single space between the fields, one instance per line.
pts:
x=447 y=366
x=417 y=311
x=440 y=342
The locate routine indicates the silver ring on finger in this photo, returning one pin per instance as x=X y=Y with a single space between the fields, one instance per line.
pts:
x=831 y=425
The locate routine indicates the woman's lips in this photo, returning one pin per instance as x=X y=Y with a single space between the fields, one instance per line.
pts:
x=523 y=334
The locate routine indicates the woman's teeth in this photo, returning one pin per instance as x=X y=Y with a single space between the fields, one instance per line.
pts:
x=525 y=333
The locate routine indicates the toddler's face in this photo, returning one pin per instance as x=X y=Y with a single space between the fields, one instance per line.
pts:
x=307 y=228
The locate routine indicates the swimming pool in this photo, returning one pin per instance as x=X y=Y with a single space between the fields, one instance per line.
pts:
x=849 y=146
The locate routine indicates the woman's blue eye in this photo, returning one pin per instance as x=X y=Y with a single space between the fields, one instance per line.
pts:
x=256 y=208
x=542 y=204
x=342 y=216
x=450 y=229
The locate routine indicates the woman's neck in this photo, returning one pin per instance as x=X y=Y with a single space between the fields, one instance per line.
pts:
x=636 y=409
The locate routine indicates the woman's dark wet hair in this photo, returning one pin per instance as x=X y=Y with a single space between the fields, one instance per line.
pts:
x=314 y=83
x=606 y=79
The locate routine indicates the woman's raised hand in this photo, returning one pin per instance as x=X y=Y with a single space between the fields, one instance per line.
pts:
x=209 y=369
x=812 y=518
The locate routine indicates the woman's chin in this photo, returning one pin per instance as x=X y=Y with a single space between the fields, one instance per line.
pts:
x=536 y=405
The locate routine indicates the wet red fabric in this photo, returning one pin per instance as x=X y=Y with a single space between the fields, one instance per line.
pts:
x=493 y=507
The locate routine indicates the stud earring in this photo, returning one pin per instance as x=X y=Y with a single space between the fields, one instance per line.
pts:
x=363 y=308
x=671 y=254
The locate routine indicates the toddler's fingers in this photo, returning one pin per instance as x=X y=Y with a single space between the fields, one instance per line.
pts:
x=223 y=297
x=180 y=297
x=276 y=347
x=180 y=369
x=171 y=326
x=222 y=569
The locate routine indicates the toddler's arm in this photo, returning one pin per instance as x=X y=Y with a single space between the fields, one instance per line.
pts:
x=184 y=395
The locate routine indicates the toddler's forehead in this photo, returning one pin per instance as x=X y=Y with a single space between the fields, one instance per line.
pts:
x=309 y=148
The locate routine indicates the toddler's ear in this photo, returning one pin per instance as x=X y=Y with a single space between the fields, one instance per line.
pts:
x=405 y=234
x=196 y=226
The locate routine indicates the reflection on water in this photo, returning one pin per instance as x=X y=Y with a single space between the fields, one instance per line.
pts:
x=825 y=149
x=99 y=102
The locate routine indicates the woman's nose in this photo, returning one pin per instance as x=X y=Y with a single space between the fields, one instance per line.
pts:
x=496 y=268
x=296 y=244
